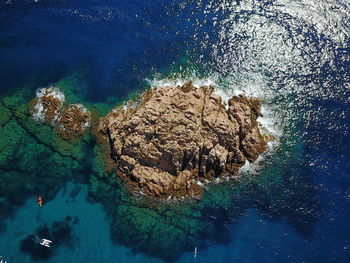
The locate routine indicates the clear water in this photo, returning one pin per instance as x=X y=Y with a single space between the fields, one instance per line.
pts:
x=294 y=55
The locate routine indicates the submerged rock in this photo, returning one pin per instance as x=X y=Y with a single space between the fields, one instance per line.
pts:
x=59 y=232
x=177 y=138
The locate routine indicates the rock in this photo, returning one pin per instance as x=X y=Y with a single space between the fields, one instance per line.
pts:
x=71 y=121
x=47 y=104
x=176 y=138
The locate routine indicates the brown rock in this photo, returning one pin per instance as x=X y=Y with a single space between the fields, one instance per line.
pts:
x=51 y=105
x=179 y=136
x=47 y=105
x=73 y=121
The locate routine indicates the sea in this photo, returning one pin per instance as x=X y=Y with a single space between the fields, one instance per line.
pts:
x=292 y=54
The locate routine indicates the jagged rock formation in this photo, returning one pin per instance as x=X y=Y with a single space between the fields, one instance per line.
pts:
x=73 y=121
x=176 y=138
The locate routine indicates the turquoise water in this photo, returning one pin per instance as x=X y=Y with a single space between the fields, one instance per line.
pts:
x=293 y=55
x=91 y=235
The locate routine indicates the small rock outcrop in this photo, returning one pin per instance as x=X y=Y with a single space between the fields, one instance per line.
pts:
x=47 y=104
x=177 y=138
x=70 y=121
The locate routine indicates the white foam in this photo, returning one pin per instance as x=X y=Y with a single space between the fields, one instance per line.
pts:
x=199 y=183
x=269 y=123
x=224 y=95
x=168 y=82
x=253 y=168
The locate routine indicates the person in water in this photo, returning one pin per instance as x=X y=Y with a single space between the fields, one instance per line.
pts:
x=40 y=200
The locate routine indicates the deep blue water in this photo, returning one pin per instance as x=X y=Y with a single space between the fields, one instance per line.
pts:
x=294 y=54
x=119 y=43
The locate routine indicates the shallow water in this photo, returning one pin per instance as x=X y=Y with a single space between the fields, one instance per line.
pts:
x=294 y=55
x=91 y=237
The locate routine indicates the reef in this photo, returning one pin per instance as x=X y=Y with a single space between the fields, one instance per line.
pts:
x=175 y=139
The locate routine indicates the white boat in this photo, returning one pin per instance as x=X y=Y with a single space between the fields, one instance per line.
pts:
x=42 y=241
x=45 y=242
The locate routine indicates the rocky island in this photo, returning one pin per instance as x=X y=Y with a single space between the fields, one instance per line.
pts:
x=173 y=140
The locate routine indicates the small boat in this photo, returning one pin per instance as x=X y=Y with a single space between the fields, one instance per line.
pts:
x=1 y=260
x=40 y=200
x=46 y=242
x=42 y=241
